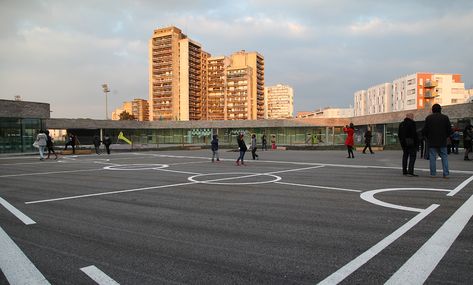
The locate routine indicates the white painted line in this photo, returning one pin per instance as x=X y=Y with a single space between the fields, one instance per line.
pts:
x=16 y=267
x=369 y=197
x=356 y=263
x=47 y=173
x=24 y=218
x=296 y=169
x=320 y=187
x=98 y=276
x=177 y=171
x=108 y=193
x=214 y=181
x=460 y=187
x=418 y=268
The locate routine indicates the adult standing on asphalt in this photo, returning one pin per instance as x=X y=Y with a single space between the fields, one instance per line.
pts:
x=254 y=147
x=264 y=143
x=349 y=141
x=242 y=148
x=409 y=140
x=107 y=141
x=42 y=142
x=368 y=136
x=436 y=130
x=50 y=145
x=214 y=144
x=97 y=142
x=467 y=140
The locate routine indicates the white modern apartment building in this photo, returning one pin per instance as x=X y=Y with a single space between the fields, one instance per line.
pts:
x=279 y=102
x=411 y=92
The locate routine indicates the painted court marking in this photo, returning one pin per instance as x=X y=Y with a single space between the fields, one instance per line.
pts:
x=16 y=267
x=24 y=218
x=246 y=175
x=356 y=263
x=98 y=275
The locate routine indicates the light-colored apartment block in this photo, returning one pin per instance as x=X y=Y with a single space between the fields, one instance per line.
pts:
x=279 y=102
x=140 y=109
x=239 y=100
x=126 y=107
x=216 y=103
x=175 y=76
x=411 y=92
x=242 y=60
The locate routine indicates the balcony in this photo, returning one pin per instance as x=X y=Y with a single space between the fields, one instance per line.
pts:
x=430 y=84
x=430 y=94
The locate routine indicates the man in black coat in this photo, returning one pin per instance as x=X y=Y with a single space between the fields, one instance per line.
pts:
x=409 y=142
x=436 y=130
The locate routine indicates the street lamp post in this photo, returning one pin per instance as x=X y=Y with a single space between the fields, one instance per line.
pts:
x=106 y=90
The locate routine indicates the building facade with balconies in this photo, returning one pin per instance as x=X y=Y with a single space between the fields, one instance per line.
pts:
x=176 y=76
x=279 y=102
x=140 y=109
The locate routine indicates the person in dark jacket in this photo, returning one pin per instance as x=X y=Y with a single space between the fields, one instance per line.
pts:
x=97 y=142
x=409 y=140
x=242 y=147
x=368 y=136
x=214 y=144
x=467 y=140
x=436 y=130
x=107 y=141
x=50 y=145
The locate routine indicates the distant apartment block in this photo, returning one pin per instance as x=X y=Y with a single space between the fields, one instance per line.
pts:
x=140 y=109
x=411 y=92
x=176 y=77
x=279 y=102
x=327 y=112
x=126 y=107
x=187 y=83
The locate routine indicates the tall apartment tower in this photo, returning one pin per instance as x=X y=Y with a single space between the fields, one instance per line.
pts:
x=216 y=103
x=279 y=102
x=243 y=60
x=176 y=76
x=140 y=109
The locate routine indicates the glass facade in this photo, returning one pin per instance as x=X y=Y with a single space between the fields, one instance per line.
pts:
x=18 y=135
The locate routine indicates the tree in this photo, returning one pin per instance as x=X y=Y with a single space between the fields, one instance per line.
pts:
x=124 y=116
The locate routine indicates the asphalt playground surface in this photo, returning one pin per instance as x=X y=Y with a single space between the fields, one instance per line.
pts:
x=291 y=217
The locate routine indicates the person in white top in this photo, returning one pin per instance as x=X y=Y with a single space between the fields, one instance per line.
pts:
x=41 y=141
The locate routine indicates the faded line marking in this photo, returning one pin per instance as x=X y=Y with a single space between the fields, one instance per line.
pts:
x=98 y=275
x=24 y=218
x=418 y=268
x=356 y=263
x=460 y=187
x=16 y=267
x=320 y=187
x=108 y=193
x=46 y=173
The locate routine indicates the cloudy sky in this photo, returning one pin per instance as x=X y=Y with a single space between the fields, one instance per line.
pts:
x=61 y=51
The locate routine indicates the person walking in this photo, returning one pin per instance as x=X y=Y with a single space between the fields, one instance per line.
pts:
x=273 y=142
x=437 y=129
x=107 y=141
x=264 y=143
x=242 y=148
x=349 y=141
x=368 y=137
x=409 y=140
x=50 y=145
x=455 y=140
x=214 y=146
x=467 y=140
x=254 y=147
x=97 y=142
x=42 y=142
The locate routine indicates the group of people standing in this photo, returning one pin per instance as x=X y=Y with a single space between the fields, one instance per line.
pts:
x=436 y=132
x=242 y=148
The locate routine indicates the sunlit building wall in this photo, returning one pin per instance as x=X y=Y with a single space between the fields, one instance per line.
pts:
x=279 y=102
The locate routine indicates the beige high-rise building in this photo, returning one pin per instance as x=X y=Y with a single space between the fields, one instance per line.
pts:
x=176 y=76
x=242 y=60
x=279 y=102
x=238 y=98
x=126 y=107
x=140 y=109
x=216 y=103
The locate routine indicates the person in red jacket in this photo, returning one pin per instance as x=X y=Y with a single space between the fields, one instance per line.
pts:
x=350 y=142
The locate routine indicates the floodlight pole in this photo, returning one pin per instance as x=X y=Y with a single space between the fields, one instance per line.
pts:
x=106 y=90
